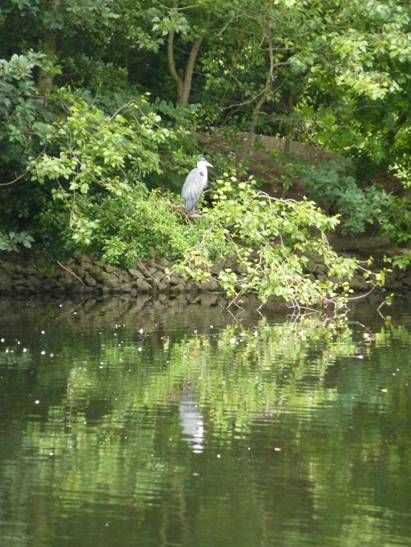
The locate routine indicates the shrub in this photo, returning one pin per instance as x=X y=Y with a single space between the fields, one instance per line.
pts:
x=331 y=185
x=271 y=242
x=11 y=241
x=138 y=225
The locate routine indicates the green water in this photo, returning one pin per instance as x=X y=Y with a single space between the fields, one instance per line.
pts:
x=151 y=424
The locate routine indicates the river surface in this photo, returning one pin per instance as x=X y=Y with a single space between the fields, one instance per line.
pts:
x=130 y=423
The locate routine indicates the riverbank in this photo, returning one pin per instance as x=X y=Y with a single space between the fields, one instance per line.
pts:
x=31 y=274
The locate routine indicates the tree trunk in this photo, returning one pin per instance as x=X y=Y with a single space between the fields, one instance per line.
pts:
x=249 y=141
x=172 y=66
x=46 y=79
x=188 y=73
x=287 y=140
x=184 y=82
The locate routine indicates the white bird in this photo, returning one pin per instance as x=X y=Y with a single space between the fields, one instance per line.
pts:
x=195 y=184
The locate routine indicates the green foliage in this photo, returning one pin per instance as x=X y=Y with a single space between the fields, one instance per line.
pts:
x=270 y=241
x=12 y=240
x=396 y=223
x=401 y=261
x=331 y=185
x=96 y=165
x=356 y=100
x=267 y=241
x=94 y=150
x=139 y=225
x=20 y=120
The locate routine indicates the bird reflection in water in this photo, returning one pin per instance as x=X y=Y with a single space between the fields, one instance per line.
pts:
x=191 y=420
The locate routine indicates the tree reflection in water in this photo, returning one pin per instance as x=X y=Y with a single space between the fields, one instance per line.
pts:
x=127 y=420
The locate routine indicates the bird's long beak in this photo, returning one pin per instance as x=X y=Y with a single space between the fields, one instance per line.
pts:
x=209 y=165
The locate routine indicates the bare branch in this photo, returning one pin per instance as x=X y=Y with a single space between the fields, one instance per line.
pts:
x=71 y=272
x=22 y=175
x=14 y=180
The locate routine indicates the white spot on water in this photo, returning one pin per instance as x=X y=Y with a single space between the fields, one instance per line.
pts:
x=42 y=352
x=37 y=402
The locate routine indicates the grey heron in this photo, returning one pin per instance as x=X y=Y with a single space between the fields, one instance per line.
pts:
x=194 y=185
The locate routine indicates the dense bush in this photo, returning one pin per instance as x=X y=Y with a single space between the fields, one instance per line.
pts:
x=95 y=164
x=332 y=185
x=20 y=113
x=139 y=225
x=397 y=221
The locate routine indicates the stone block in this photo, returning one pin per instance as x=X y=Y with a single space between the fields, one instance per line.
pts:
x=143 y=286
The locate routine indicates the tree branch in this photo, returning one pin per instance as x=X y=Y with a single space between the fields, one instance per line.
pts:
x=14 y=180
x=70 y=272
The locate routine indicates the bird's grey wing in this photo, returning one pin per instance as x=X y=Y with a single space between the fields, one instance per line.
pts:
x=192 y=188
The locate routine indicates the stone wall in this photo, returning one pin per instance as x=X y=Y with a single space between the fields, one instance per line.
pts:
x=29 y=275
